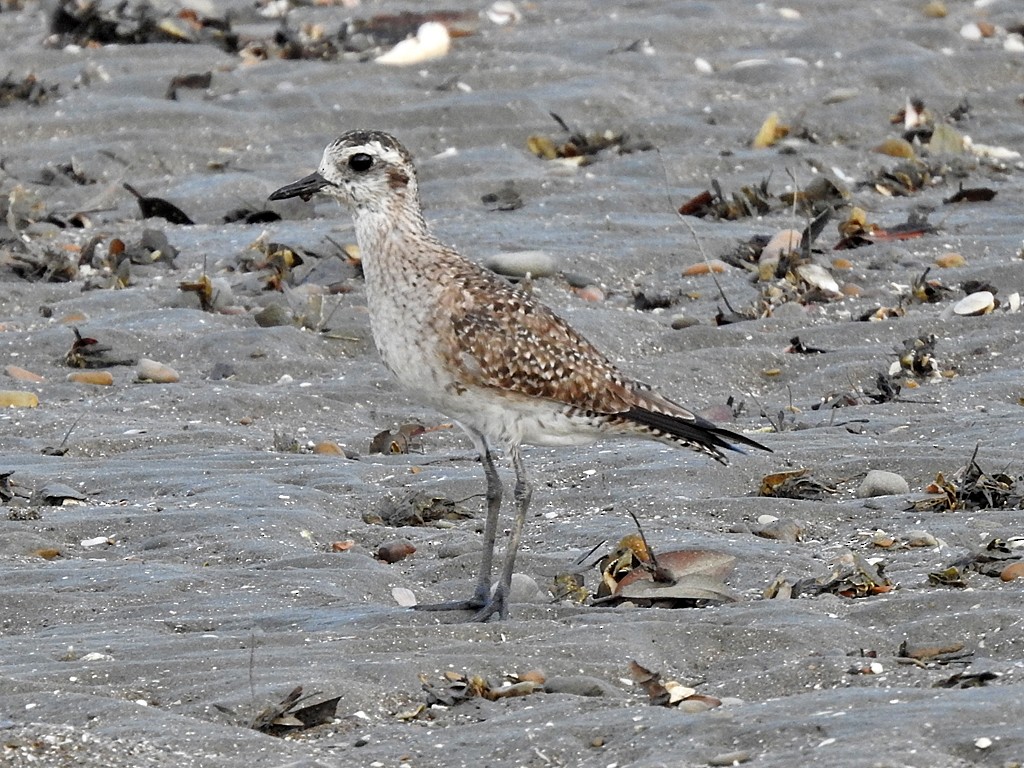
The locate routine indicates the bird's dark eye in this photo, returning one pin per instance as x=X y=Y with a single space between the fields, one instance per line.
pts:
x=360 y=162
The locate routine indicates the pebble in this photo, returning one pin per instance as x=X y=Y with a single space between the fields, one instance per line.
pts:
x=579 y=685
x=524 y=589
x=730 y=758
x=328 y=448
x=679 y=322
x=949 y=260
x=273 y=315
x=1012 y=571
x=921 y=539
x=97 y=378
x=393 y=551
x=878 y=482
x=10 y=398
x=432 y=41
x=522 y=264
x=157 y=373
x=704 y=267
x=20 y=374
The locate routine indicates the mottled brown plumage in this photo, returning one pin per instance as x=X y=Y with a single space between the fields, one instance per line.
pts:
x=465 y=341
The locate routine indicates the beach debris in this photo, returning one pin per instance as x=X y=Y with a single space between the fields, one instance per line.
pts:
x=20 y=374
x=393 y=551
x=193 y=80
x=771 y=132
x=778 y=529
x=971 y=488
x=670 y=693
x=87 y=352
x=506 y=198
x=851 y=576
x=28 y=89
x=286 y=716
x=970 y=680
x=971 y=195
x=404 y=596
x=793 y=484
x=928 y=291
x=935 y=653
x=416 y=508
x=580 y=148
x=633 y=573
x=569 y=586
x=153 y=372
x=999 y=558
x=797 y=347
x=714 y=203
x=91 y=24
x=399 y=440
x=157 y=207
x=522 y=264
x=251 y=216
x=457 y=687
x=503 y=12
x=13 y=398
x=431 y=41
x=917 y=358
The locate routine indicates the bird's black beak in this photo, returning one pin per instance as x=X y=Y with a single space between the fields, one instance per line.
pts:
x=305 y=188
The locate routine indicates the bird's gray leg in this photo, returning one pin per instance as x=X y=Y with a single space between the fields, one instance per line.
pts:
x=498 y=603
x=482 y=593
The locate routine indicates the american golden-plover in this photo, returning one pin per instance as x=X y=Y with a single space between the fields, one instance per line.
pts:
x=488 y=355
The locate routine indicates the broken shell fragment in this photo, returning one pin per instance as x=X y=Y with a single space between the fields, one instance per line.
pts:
x=978 y=303
x=818 y=277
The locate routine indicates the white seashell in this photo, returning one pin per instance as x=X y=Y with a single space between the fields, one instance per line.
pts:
x=979 y=303
x=703 y=66
x=971 y=31
x=99 y=541
x=1013 y=303
x=503 y=12
x=1014 y=43
x=432 y=41
x=818 y=277
x=677 y=692
x=404 y=597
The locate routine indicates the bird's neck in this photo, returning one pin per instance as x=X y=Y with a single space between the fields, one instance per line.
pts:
x=391 y=231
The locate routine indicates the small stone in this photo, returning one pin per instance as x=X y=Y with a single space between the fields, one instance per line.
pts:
x=96 y=378
x=679 y=322
x=705 y=267
x=393 y=551
x=10 y=398
x=878 y=482
x=20 y=374
x=524 y=589
x=590 y=293
x=730 y=758
x=579 y=685
x=328 y=448
x=1012 y=571
x=521 y=264
x=921 y=539
x=983 y=743
x=273 y=315
x=157 y=373
x=949 y=260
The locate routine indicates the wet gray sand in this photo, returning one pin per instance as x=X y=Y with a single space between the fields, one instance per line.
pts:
x=220 y=591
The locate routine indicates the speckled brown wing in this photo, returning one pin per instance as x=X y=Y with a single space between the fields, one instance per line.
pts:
x=515 y=343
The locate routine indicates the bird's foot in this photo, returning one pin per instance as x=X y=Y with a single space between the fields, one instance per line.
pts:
x=486 y=605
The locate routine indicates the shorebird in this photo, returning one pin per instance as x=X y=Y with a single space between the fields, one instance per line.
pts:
x=490 y=356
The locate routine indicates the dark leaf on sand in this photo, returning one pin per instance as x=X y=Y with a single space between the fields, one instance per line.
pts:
x=156 y=207
x=797 y=347
x=970 y=487
x=936 y=653
x=400 y=440
x=284 y=717
x=251 y=216
x=202 y=288
x=651 y=683
x=968 y=680
x=971 y=195
x=458 y=687
x=198 y=81
x=6 y=492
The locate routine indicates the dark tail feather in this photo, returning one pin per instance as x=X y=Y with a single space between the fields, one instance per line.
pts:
x=699 y=433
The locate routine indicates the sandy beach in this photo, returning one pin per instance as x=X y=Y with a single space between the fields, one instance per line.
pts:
x=177 y=557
